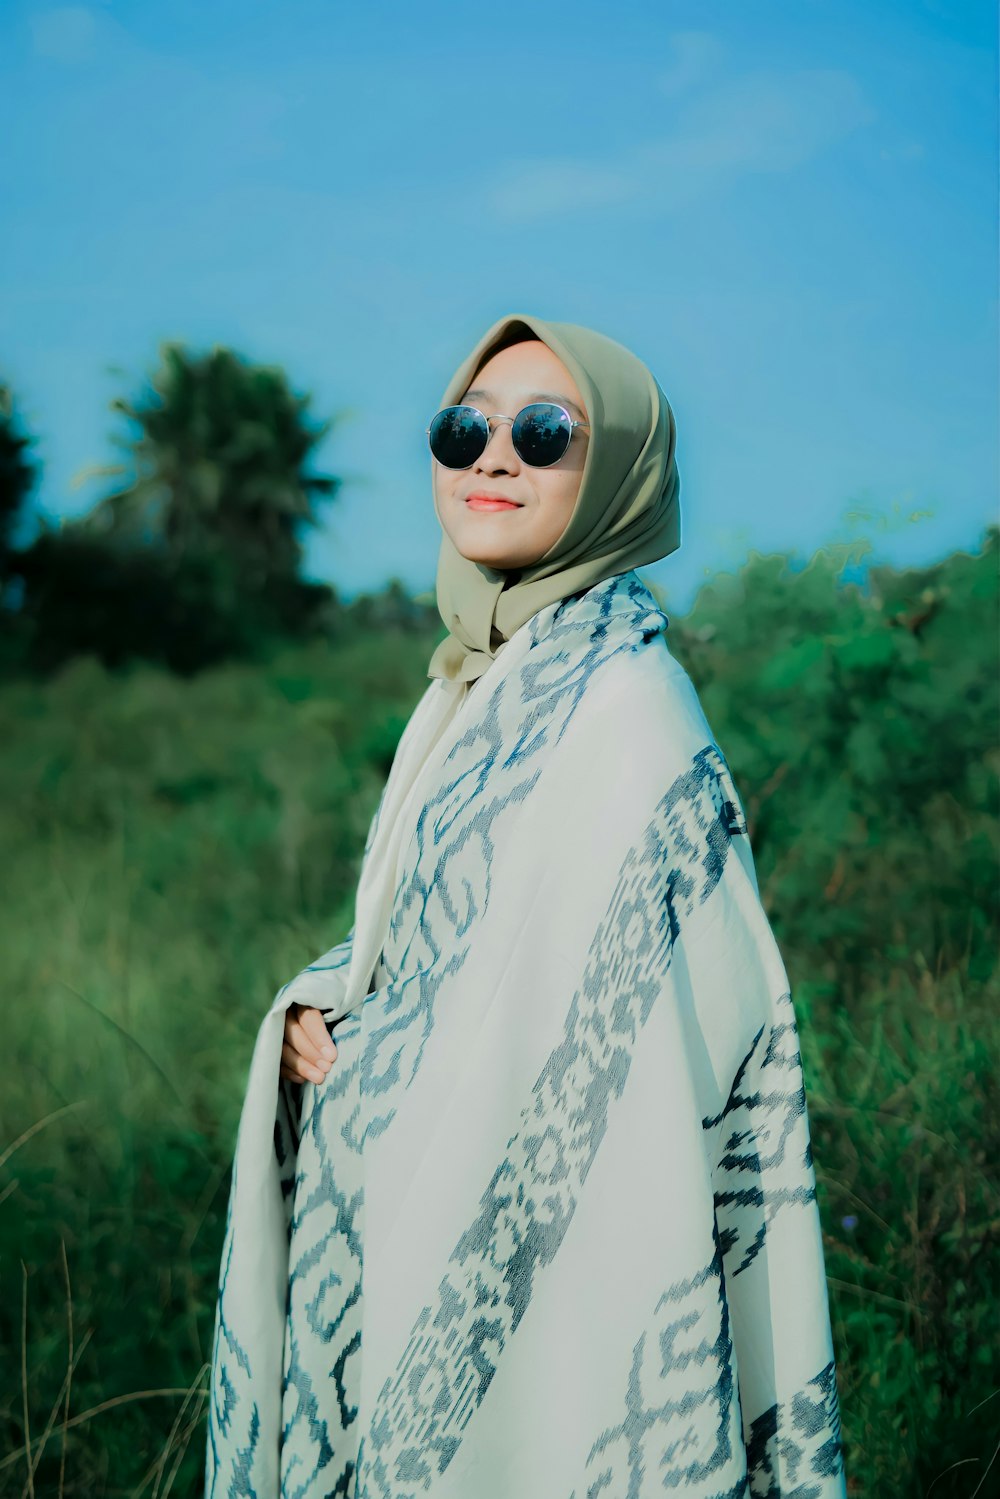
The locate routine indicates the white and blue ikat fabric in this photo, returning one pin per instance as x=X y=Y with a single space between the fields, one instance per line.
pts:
x=549 y=1228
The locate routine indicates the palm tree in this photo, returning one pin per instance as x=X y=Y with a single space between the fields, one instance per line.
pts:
x=219 y=465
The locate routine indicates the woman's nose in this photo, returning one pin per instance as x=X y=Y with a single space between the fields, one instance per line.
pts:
x=499 y=452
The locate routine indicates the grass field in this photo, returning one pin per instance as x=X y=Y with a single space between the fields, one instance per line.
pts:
x=173 y=850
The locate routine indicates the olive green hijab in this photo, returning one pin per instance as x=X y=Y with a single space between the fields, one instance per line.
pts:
x=626 y=514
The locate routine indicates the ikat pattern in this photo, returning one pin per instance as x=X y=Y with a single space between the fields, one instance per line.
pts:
x=233 y=1414
x=801 y=1438
x=526 y=1208
x=488 y=776
x=681 y=1394
x=681 y=1398
x=323 y=1336
x=432 y=914
x=680 y=1428
x=233 y=1418
x=765 y=1166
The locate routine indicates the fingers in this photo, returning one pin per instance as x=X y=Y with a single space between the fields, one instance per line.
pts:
x=307 y=1053
x=314 y=1025
x=297 y=1069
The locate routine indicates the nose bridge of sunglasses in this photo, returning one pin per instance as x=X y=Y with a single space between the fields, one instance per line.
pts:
x=495 y=424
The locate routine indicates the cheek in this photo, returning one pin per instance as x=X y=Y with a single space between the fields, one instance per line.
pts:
x=566 y=487
x=557 y=498
x=442 y=485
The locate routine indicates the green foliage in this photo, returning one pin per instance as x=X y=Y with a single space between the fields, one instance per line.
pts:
x=175 y=849
x=88 y=595
x=905 y=1115
x=17 y=474
x=196 y=559
x=220 y=462
x=863 y=724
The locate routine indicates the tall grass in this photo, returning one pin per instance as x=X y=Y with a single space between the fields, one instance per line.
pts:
x=174 y=850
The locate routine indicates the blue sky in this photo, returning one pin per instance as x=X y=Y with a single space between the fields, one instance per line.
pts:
x=789 y=211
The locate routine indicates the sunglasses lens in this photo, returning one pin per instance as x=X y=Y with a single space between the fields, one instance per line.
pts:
x=457 y=436
x=541 y=434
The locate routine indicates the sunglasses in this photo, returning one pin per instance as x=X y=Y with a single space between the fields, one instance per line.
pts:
x=541 y=433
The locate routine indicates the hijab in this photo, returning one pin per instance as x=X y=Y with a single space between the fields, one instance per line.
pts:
x=627 y=510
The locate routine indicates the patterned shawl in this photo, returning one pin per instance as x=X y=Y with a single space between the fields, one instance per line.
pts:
x=549 y=1228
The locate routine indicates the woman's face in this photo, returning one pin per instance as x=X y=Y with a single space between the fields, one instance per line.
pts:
x=544 y=497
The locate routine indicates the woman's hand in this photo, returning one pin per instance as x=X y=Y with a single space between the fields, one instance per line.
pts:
x=308 y=1051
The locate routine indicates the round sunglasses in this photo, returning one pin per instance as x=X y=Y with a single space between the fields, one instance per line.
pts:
x=541 y=433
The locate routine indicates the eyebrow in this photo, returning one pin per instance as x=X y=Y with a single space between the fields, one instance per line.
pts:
x=536 y=395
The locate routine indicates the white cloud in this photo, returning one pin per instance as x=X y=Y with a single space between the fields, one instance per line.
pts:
x=907 y=150
x=554 y=184
x=65 y=34
x=694 y=52
x=760 y=122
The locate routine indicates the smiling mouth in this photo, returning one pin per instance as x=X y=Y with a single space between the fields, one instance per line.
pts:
x=479 y=501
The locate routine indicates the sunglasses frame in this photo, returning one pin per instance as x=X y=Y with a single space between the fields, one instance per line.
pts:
x=467 y=406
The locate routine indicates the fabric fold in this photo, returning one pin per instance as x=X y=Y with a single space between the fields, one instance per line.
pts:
x=549 y=1227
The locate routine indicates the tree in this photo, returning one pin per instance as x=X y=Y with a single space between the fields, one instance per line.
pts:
x=195 y=558
x=17 y=475
x=220 y=465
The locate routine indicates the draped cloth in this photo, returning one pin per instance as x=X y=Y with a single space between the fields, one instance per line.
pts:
x=549 y=1228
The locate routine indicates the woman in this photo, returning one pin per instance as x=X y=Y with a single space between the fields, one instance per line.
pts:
x=523 y=1200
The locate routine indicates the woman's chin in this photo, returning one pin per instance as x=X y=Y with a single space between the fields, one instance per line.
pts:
x=492 y=551
x=497 y=559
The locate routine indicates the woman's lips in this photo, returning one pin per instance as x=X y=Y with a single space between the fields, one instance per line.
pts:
x=490 y=502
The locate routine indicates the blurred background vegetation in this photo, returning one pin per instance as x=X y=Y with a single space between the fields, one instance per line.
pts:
x=192 y=741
